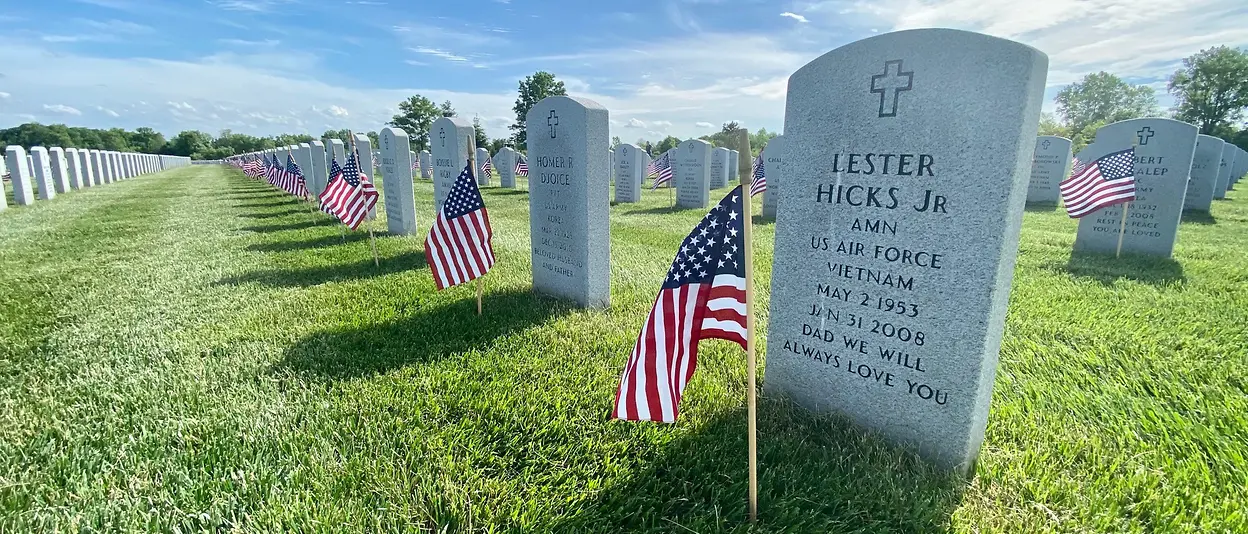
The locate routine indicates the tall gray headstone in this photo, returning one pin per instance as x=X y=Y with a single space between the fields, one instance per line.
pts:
x=450 y=141
x=1206 y=163
x=303 y=158
x=569 y=199
x=396 y=171
x=97 y=167
x=336 y=150
x=630 y=170
x=884 y=214
x=75 y=166
x=1224 y=171
x=320 y=170
x=426 y=165
x=693 y=174
x=110 y=160
x=773 y=160
x=734 y=165
x=364 y=146
x=482 y=156
x=19 y=173
x=1163 y=160
x=42 y=166
x=1049 y=166
x=719 y=167
x=505 y=166
x=611 y=163
x=60 y=170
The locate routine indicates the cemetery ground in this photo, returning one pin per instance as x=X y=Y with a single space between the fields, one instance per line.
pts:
x=194 y=350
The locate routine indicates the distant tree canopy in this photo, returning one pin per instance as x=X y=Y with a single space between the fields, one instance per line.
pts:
x=192 y=143
x=1211 y=90
x=532 y=90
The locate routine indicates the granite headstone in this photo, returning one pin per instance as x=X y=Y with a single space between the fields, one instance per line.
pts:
x=19 y=174
x=42 y=166
x=693 y=173
x=451 y=140
x=894 y=250
x=1163 y=160
x=630 y=170
x=734 y=165
x=719 y=167
x=569 y=199
x=426 y=169
x=1224 y=171
x=505 y=166
x=319 y=178
x=1049 y=166
x=61 y=178
x=1206 y=163
x=773 y=161
x=396 y=172
x=482 y=156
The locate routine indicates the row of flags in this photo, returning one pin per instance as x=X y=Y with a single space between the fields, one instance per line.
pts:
x=660 y=171
x=348 y=195
x=487 y=167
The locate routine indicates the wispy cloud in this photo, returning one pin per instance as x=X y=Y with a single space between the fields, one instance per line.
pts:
x=438 y=53
x=703 y=124
x=794 y=16
x=107 y=111
x=61 y=108
x=249 y=43
x=255 y=6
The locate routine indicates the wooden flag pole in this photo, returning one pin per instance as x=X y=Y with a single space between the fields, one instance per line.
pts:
x=472 y=164
x=1122 y=230
x=372 y=239
x=751 y=360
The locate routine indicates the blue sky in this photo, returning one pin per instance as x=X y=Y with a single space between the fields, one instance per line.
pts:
x=679 y=67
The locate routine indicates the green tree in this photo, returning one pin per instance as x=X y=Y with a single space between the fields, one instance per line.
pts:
x=147 y=140
x=1211 y=90
x=416 y=116
x=666 y=144
x=375 y=139
x=1103 y=97
x=615 y=141
x=532 y=90
x=482 y=140
x=1049 y=125
x=497 y=144
x=759 y=140
x=190 y=142
x=447 y=110
x=343 y=135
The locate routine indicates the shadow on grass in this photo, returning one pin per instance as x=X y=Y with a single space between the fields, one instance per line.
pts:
x=1040 y=207
x=409 y=261
x=272 y=215
x=509 y=192
x=1199 y=217
x=759 y=220
x=292 y=226
x=816 y=474
x=319 y=242
x=282 y=202
x=1107 y=269
x=660 y=211
x=421 y=333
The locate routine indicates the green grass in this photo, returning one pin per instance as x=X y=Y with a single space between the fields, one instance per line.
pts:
x=194 y=351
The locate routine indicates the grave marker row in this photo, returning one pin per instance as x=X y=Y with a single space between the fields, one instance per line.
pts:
x=57 y=170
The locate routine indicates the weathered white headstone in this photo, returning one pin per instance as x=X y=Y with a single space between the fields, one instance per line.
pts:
x=1163 y=160
x=426 y=165
x=1227 y=162
x=319 y=177
x=60 y=170
x=1049 y=166
x=396 y=171
x=336 y=150
x=450 y=140
x=719 y=167
x=892 y=266
x=569 y=199
x=505 y=166
x=110 y=170
x=42 y=166
x=19 y=173
x=97 y=167
x=630 y=170
x=693 y=173
x=1206 y=163
x=773 y=163
x=482 y=156
x=734 y=166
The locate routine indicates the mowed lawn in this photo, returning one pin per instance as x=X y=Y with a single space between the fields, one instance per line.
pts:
x=193 y=350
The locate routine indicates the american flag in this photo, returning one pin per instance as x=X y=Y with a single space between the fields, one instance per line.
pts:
x=487 y=169
x=703 y=297
x=272 y=170
x=460 y=243
x=522 y=166
x=661 y=170
x=759 y=183
x=349 y=195
x=292 y=179
x=1102 y=183
x=252 y=168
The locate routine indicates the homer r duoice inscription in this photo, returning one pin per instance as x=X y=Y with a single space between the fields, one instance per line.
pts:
x=895 y=251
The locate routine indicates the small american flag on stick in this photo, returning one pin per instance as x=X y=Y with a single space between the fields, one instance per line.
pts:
x=1102 y=183
x=292 y=179
x=661 y=170
x=522 y=166
x=460 y=247
x=759 y=183
x=349 y=195
x=487 y=169
x=704 y=296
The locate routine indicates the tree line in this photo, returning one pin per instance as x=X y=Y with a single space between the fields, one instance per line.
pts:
x=1210 y=92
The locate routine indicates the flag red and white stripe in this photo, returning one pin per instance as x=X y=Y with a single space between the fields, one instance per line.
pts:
x=349 y=195
x=1107 y=181
x=459 y=247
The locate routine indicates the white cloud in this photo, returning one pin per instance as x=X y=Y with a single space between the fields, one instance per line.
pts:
x=180 y=106
x=61 y=108
x=4 y=94
x=794 y=16
x=634 y=123
x=703 y=124
x=337 y=111
x=107 y=111
x=249 y=43
x=661 y=123
x=438 y=53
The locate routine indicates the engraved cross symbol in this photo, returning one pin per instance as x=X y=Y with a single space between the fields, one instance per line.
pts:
x=891 y=83
x=552 y=121
x=1046 y=144
x=442 y=136
x=1145 y=134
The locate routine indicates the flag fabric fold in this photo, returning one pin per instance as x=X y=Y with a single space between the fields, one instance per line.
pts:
x=349 y=195
x=660 y=170
x=759 y=182
x=703 y=297
x=1101 y=183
